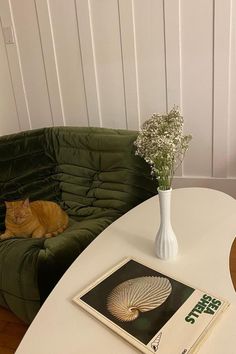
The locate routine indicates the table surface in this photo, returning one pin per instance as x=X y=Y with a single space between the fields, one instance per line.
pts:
x=204 y=221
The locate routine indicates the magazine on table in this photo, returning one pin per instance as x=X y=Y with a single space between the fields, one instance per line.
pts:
x=153 y=311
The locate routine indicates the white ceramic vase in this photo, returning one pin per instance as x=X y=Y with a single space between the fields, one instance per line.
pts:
x=166 y=245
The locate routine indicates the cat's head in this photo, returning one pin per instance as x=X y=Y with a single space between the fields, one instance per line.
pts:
x=18 y=211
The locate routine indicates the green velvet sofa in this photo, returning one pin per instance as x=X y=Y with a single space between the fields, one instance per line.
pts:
x=92 y=173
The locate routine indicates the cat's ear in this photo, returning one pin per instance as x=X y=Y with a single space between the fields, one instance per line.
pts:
x=8 y=205
x=26 y=203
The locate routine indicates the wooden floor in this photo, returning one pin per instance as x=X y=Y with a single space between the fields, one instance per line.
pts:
x=12 y=329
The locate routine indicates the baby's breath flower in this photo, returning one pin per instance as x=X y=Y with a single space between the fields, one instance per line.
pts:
x=162 y=145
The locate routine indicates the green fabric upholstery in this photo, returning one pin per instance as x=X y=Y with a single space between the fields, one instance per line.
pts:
x=92 y=173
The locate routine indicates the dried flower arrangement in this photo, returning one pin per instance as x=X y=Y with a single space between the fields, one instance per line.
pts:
x=162 y=144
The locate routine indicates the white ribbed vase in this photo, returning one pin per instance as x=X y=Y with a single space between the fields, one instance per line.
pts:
x=166 y=245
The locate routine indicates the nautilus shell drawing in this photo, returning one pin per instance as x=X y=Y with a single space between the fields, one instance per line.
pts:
x=133 y=296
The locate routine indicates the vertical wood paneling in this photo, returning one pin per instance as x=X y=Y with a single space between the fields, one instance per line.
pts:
x=232 y=97
x=83 y=12
x=19 y=88
x=149 y=27
x=173 y=57
x=106 y=34
x=32 y=64
x=8 y=115
x=113 y=63
x=129 y=63
x=50 y=62
x=173 y=54
x=67 y=51
x=222 y=28
x=197 y=58
x=15 y=71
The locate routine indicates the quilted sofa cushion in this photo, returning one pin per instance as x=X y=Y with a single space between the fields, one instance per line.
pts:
x=26 y=169
x=98 y=173
x=92 y=173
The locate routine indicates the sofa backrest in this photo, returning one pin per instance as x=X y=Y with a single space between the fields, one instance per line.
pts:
x=91 y=172
x=98 y=172
x=26 y=168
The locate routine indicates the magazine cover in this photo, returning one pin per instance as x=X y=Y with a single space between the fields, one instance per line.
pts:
x=148 y=308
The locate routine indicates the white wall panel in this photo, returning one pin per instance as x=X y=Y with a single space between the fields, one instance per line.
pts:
x=232 y=98
x=83 y=11
x=15 y=71
x=197 y=59
x=106 y=34
x=129 y=56
x=112 y=63
x=221 y=67
x=32 y=62
x=173 y=53
x=8 y=114
x=149 y=36
x=172 y=22
x=68 y=56
x=51 y=66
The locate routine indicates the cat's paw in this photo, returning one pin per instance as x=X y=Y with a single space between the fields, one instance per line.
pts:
x=49 y=234
x=4 y=236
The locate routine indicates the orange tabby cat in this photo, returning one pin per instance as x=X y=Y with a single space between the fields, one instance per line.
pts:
x=36 y=219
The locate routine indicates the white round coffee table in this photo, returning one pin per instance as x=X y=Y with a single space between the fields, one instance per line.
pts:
x=204 y=221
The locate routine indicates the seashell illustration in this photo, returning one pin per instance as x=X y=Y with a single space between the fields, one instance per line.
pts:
x=136 y=295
